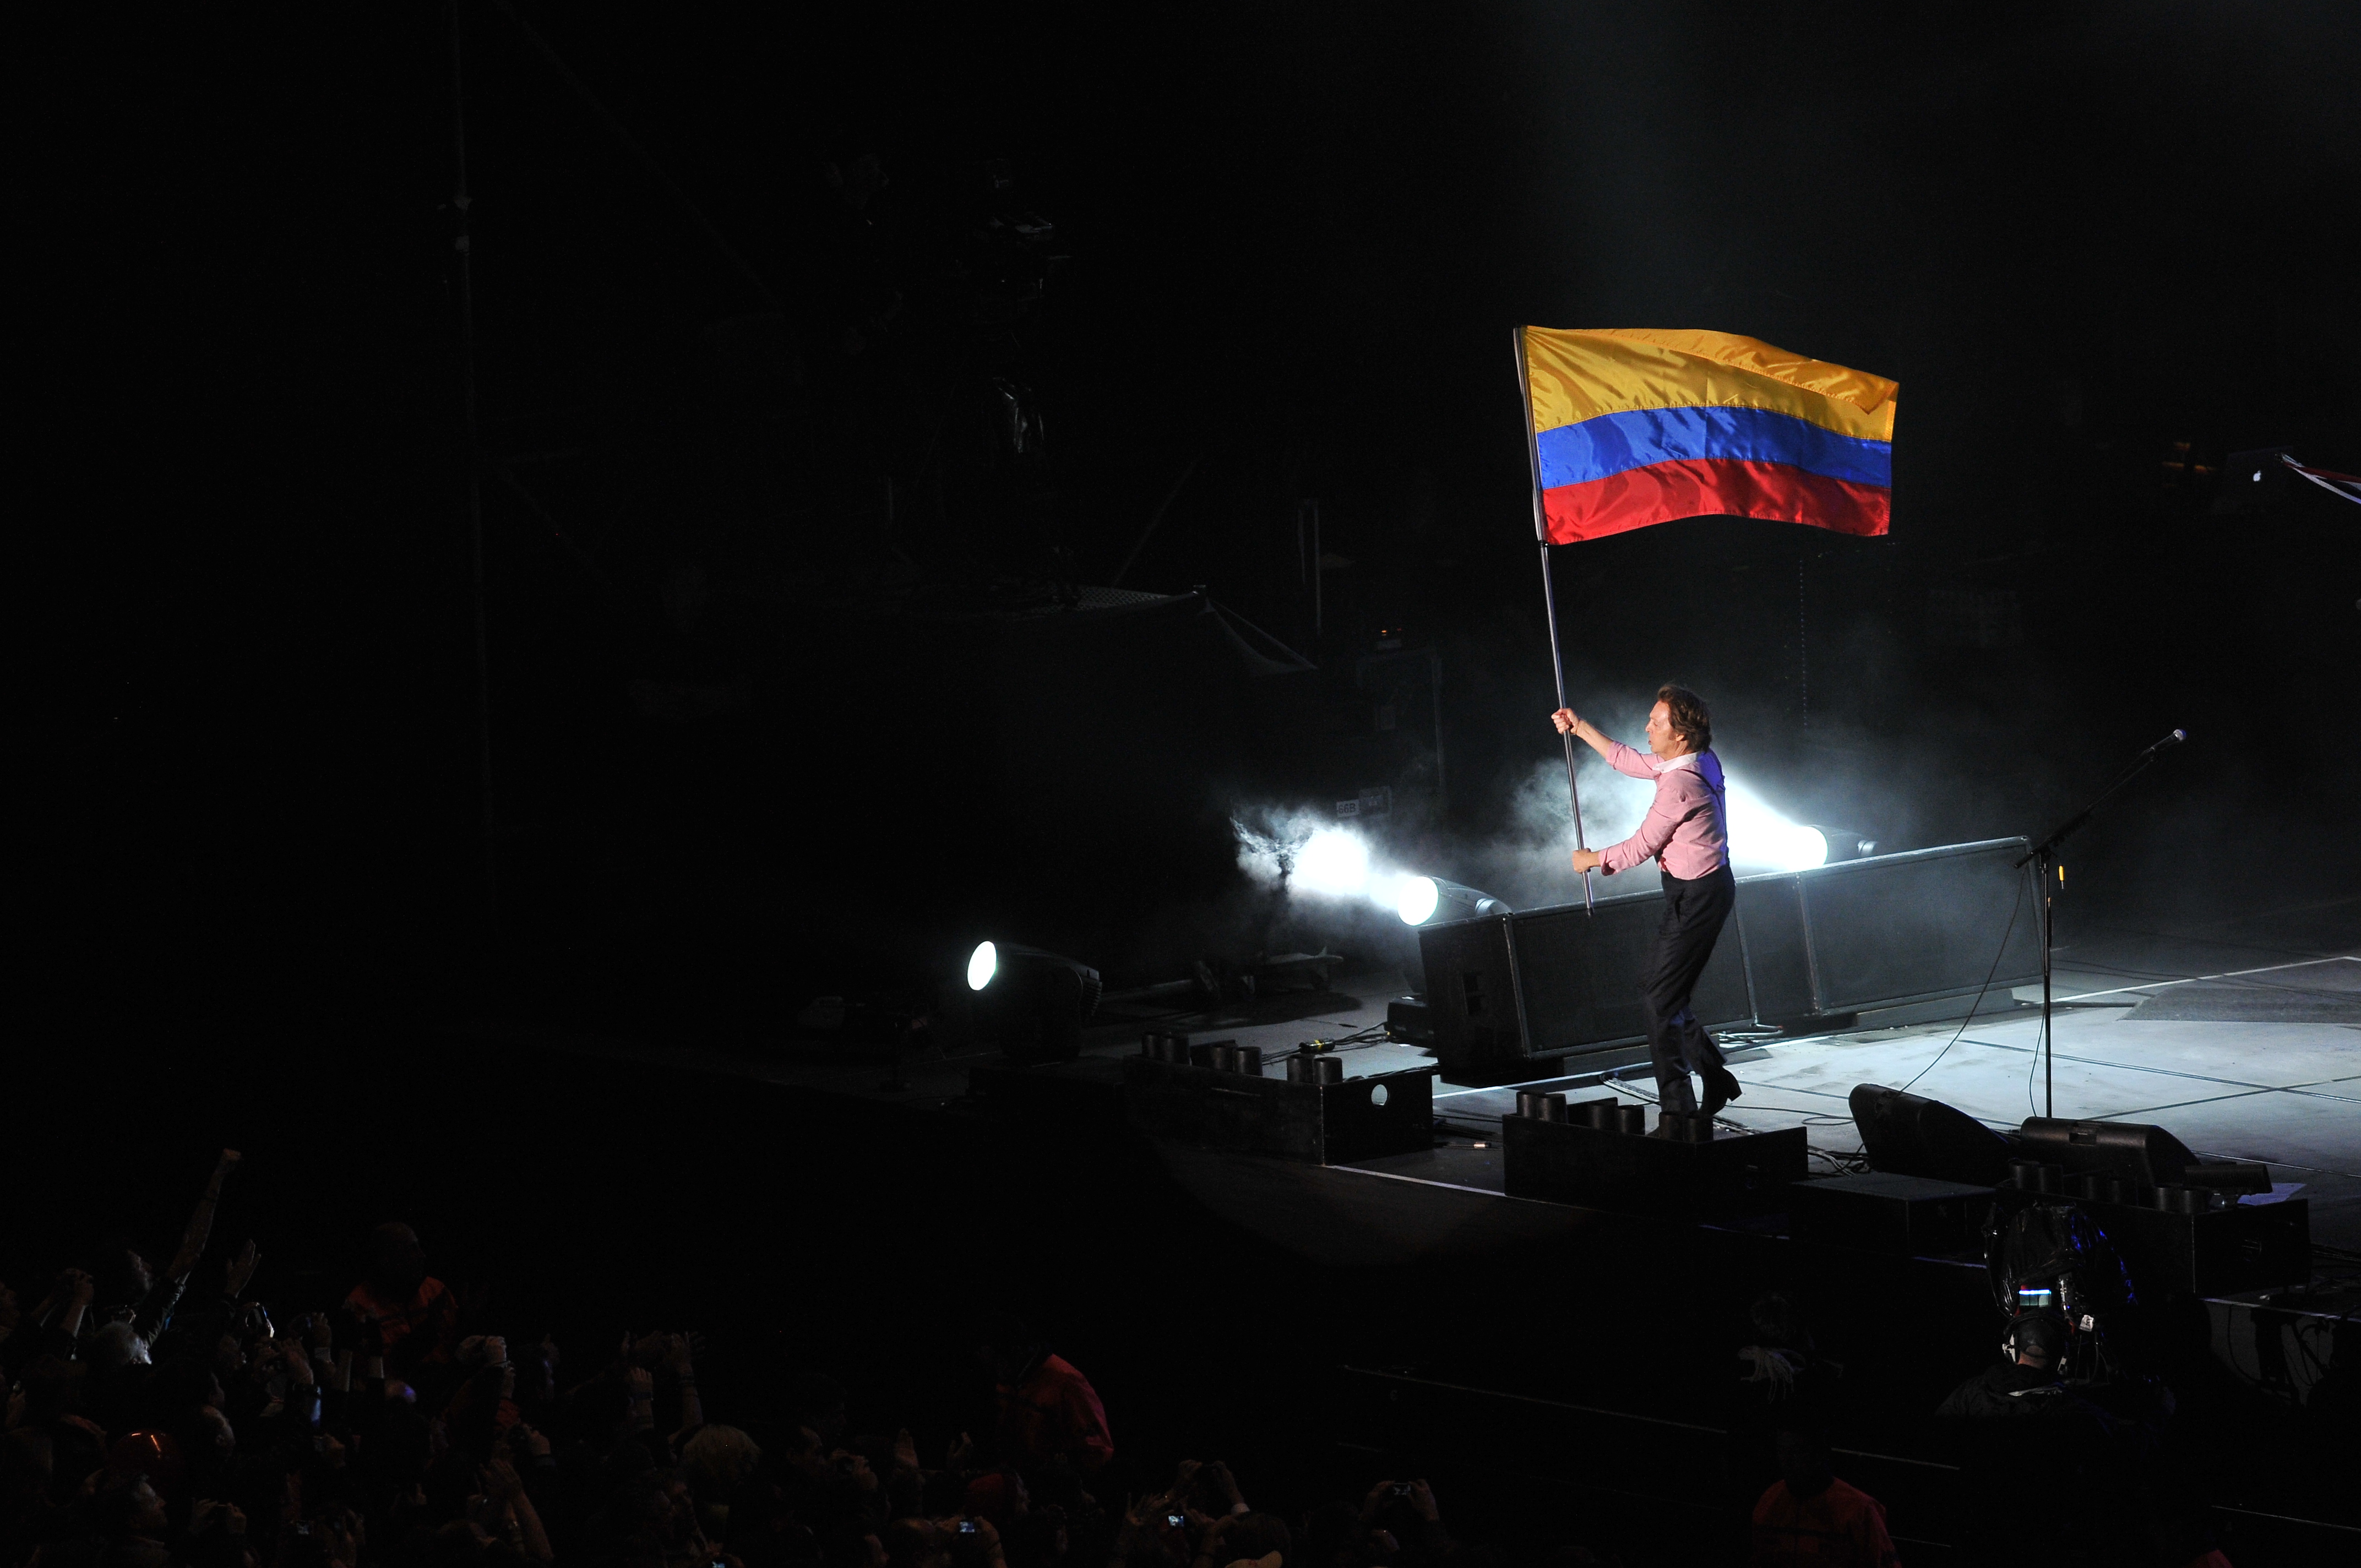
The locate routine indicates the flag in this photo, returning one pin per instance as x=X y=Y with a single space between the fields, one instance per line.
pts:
x=2329 y=479
x=1632 y=427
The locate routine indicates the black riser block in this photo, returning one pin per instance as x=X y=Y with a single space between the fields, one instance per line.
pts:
x=1735 y=1175
x=2242 y=1248
x=1328 y=1124
x=1915 y=1216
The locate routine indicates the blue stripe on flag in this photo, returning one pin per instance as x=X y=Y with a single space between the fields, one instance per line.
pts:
x=1612 y=444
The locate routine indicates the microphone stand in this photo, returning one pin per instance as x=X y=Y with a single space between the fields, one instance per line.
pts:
x=2043 y=857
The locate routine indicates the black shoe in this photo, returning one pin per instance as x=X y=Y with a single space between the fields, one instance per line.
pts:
x=1721 y=1087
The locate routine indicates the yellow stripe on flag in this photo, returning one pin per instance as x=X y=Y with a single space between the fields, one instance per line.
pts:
x=1579 y=375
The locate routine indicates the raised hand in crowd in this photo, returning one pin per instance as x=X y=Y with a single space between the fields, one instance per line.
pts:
x=240 y=1273
x=343 y=1535
x=677 y=1362
x=500 y=1479
x=79 y=1289
x=199 y=1228
x=640 y=1384
x=1225 y=1485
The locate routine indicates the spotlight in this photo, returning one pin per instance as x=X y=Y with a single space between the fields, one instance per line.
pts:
x=1844 y=843
x=1419 y=900
x=1422 y=898
x=1032 y=1003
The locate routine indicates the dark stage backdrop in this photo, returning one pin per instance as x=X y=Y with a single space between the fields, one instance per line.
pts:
x=1077 y=269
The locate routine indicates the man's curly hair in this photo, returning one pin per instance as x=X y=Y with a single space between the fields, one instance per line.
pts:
x=1692 y=721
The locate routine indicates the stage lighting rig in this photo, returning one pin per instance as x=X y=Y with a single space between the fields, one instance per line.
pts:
x=1032 y=1003
x=1424 y=898
x=1844 y=843
x=1761 y=837
x=1808 y=846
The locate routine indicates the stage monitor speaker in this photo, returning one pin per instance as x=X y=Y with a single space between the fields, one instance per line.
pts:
x=1920 y=926
x=2149 y=1153
x=1578 y=975
x=1886 y=931
x=1777 y=948
x=1908 y=1134
x=1556 y=982
x=1471 y=995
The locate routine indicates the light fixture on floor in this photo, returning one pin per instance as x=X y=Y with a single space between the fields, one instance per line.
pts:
x=1423 y=898
x=1032 y=1003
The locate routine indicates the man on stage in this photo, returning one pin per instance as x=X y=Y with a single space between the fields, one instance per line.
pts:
x=1686 y=834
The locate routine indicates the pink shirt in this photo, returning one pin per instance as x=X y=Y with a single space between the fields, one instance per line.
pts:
x=1687 y=831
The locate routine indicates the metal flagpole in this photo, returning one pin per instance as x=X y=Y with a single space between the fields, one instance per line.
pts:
x=462 y=272
x=1549 y=596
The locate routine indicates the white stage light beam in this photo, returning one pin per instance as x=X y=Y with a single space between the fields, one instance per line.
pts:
x=1760 y=837
x=1333 y=862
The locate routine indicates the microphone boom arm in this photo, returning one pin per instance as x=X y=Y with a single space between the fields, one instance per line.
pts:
x=2072 y=825
x=2043 y=856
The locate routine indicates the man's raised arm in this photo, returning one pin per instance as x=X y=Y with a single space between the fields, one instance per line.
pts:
x=1620 y=757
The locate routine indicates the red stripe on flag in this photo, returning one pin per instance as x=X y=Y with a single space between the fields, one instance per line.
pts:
x=1713 y=487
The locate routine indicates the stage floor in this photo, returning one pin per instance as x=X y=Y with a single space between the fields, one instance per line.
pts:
x=2243 y=1041
x=2248 y=1048
x=2243 y=1049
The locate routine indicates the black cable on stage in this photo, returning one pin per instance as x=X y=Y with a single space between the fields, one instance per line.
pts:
x=2015 y=909
x=2049 y=1048
x=1360 y=1039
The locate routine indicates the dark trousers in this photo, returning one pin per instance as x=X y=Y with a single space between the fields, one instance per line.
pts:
x=1677 y=1043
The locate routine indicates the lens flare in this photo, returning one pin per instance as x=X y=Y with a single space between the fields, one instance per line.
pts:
x=1333 y=862
x=1760 y=838
x=1417 y=902
x=981 y=966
